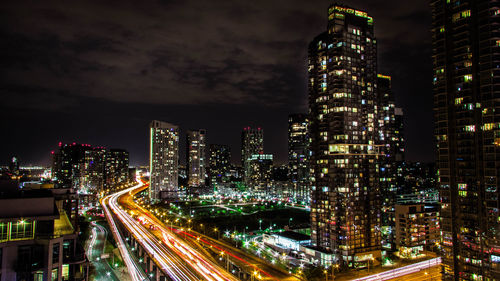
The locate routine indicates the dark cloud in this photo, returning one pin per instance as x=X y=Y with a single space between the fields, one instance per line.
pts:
x=226 y=64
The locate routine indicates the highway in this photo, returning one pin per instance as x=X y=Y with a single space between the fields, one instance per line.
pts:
x=250 y=263
x=94 y=251
x=416 y=271
x=174 y=257
x=134 y=270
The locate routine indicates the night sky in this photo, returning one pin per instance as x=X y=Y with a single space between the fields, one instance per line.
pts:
x=99 y=71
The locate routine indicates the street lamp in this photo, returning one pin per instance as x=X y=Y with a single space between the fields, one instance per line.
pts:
x=260 y=224
x=218 y=233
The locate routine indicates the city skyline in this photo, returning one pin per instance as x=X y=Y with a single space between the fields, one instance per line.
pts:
x=261 y=140
x=75 y=114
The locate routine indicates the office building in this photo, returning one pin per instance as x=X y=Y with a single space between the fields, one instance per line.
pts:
x=117 y=167
x=92 y=170
x=252 y=142
x=466 y=50
x=163 y=161
x=219 y=163
x=260 y=171
x=298 y=154
x=196 y=157
x=348 y=142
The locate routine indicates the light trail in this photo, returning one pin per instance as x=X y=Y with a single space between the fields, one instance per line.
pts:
x=401 y=271
x=170 y=264
x=92 y=242
x=133 y=269
x=170 y=259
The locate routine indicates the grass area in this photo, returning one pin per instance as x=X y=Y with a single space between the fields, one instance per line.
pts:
x=242 y=218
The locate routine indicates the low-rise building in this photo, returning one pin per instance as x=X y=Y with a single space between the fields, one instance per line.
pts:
x=38 y=238
x=417 y=228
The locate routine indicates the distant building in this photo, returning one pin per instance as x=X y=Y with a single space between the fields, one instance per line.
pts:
x=196 y=157
x=298 y=154
x=219 y=163
x=88 y=169
x=117 y=167
x=417 y=228
x=163 y=160
x=92 y=171
x=260 y=170
x=14 y=165
x=390 y=135
x=74 y=165
x=252 y=142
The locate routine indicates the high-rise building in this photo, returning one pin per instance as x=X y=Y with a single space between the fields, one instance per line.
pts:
x=92 y=170
x=219 y=163
x=68 y=166
x=196 y=157
x=252 y=142
x=163 y=161
x=260 y=170
x=348 y=142
x=466 y=58
x=390 y=136
x=14 y=165
x=298 y=154
x=117 y=167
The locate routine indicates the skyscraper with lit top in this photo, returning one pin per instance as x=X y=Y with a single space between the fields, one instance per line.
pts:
x=466 y=58
x=346 y=141
x=163 y=161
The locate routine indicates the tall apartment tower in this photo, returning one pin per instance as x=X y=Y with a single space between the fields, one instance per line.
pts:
x=298 y=154
x=252 y=142
x=347 y=145
x=220 y=163
x=391 y=139
x=117 y=165
x=196 y=157
x=466 y=58
x=163 y=160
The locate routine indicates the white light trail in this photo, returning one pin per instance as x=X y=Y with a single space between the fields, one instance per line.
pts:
x=401 y=271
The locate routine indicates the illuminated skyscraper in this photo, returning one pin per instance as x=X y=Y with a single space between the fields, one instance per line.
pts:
x=466 y=57
x=260 y=171
x=220 y=163
x=116 y=171
x=347 y=139
x=252 y=142
x=298 y=154
x=196 y=157
x=163 y=160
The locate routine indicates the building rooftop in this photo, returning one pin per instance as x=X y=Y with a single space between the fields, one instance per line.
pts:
x=294 y=235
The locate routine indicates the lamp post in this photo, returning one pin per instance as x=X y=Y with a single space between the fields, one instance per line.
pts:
x=260 y=224
x=333 y=270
